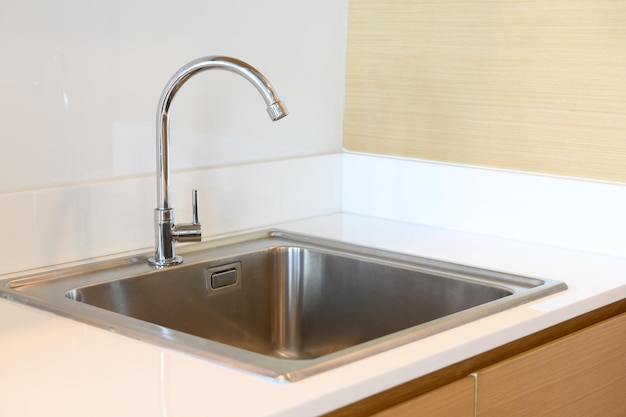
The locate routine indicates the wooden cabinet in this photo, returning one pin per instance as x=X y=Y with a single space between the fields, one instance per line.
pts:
x=452 y=400
x=583 y=374
x=574 y=369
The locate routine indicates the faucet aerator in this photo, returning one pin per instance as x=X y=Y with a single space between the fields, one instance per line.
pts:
x=277 y=111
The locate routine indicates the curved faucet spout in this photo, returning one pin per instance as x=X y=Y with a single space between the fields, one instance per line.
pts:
x=166 y=232
x=275 y=108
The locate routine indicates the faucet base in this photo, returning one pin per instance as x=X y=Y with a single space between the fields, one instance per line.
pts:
x=165 y=251
x=166 y=262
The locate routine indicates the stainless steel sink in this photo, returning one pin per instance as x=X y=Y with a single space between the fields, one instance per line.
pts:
x=278 y=304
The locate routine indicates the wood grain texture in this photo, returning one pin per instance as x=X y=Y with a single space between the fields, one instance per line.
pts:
x=424 y=384
x=527 y=85
x=452 y=400
x=581 y=375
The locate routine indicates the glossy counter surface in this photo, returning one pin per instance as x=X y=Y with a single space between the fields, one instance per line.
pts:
x=56 y=366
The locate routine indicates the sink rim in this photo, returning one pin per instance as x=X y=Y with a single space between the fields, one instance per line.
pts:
x=20 y=289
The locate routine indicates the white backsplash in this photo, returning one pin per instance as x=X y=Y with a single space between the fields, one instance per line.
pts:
x=63 y=224
x=570 y=213
x=81 y=81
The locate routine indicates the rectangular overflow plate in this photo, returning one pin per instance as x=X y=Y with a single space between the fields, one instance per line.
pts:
x=223 y=276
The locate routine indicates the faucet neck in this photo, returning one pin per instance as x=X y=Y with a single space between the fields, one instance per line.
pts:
x=275 y=108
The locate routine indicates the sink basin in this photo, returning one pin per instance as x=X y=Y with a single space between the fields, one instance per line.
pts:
x=278 y=304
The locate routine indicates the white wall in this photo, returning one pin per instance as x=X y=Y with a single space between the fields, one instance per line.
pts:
x=574 y=213
x=80 y=83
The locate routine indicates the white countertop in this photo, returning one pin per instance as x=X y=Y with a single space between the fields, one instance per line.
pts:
x=56 y=366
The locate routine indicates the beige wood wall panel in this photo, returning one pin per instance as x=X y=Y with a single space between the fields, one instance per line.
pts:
x=452 y=400
x=580 y=375
x=527 y=85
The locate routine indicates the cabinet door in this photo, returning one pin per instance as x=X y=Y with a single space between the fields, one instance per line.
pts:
x=452 y=400
x=580 y=375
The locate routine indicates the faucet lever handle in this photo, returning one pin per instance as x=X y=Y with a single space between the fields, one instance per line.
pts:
x=189 y=232
x=194 y=206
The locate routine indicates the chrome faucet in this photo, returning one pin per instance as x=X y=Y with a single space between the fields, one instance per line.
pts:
x=166 y=231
